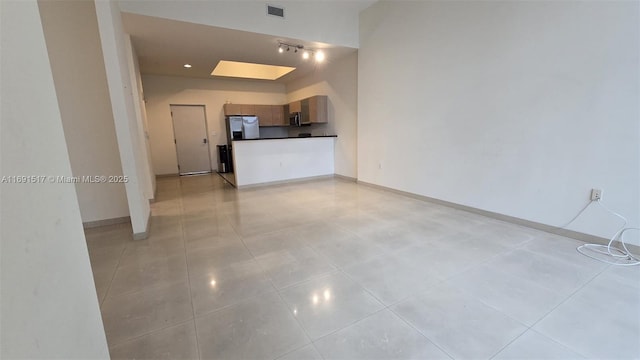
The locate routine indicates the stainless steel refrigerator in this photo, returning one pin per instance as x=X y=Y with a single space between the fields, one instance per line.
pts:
x=242 y=127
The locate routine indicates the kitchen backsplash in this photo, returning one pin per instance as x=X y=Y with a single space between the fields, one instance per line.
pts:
x=293 y=131
x=274 y=132
x=314 y=129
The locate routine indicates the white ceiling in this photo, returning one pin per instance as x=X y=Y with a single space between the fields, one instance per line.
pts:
x=163 y=46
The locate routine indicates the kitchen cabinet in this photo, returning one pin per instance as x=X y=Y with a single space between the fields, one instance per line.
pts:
x=264 y=114
x=278 y=117
x=239 y=109
x=247 y=109
x=318 y=109
x=232 y=109
x=315 y=109
x=295 y=106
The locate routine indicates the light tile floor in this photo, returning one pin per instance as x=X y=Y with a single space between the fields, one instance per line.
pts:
x=335 y=270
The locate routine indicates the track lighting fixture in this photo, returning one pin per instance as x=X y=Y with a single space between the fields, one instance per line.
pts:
x=318 y=55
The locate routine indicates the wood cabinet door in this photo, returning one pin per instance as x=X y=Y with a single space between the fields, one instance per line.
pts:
x=263 y=112
x=295 y=106
x=247 y=109
x=318 y=109
x=279 y=118
x=232 y=109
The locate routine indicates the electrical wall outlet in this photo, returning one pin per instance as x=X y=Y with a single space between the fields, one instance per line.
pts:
x=596 y=194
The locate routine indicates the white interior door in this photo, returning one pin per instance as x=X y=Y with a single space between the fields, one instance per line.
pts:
x=192 y=144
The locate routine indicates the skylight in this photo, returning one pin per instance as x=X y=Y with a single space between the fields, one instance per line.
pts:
x=250 y=70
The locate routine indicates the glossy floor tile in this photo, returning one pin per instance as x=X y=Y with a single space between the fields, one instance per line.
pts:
x=533 y=346
x=163 y=271
x=461 y=325
x=291 y=266
x=175 y=342
x=128 y=316
x=221 y=287
x=324 y=305
x=546 y=271
x=519 y=298
x=307 y=352
x=390 y=278
x=604 y=309
x=330 y=269
x=260 y=328
x=382 y=335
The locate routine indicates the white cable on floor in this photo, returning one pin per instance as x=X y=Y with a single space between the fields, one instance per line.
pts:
x=609 y=250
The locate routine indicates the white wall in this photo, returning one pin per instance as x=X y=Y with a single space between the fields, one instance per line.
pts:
x=48 y=308
x=130 y=139
x=143 y=111
x=339 y=81
x=264 y=161
x=519 y=108
x=148 y=176
x=333 y=22
x=73 y=44
x=163 y=91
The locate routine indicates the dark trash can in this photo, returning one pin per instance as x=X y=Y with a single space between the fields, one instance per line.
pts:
x=224 y=159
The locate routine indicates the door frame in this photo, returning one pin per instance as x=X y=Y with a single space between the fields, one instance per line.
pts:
x=175 y=145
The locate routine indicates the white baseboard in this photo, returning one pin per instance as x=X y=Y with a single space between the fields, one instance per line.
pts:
x=346 y=178
x=145 y=234
x=514 y=220
x=105 y=222
x=284 y=182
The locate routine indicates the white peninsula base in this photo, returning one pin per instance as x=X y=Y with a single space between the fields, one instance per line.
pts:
x=263 y=161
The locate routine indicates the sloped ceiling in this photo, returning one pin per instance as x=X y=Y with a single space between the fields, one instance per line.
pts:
x=163 y=46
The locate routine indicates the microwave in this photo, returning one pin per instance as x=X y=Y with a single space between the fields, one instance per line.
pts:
x=296 y=119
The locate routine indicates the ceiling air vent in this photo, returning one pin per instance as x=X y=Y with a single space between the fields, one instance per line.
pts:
x=275 y=11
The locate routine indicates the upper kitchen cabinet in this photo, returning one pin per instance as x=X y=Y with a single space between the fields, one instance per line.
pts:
x=318 y=109
x=248 y=109
x=268 y=115
x=232 y=109
x=313 y=109
x=295 y=106
x=278 y=116
x=239 y=109
x=264 y=114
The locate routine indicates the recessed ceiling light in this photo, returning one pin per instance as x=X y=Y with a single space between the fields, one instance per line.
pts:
x=187 y=65
x=250 y=70
x=305 y=55
x=319 y=56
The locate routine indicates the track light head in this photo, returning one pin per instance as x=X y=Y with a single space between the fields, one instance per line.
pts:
x=306 y=52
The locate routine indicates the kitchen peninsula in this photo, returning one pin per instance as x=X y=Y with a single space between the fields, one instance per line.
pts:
x=262 y=161
x=275 y=143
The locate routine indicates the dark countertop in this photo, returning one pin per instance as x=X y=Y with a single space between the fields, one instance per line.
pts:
x=289 y=137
